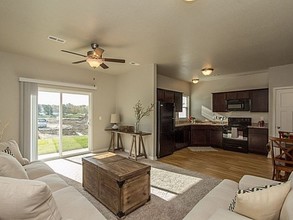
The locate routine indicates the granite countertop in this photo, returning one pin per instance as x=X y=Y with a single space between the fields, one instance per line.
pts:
x=180 y=124
x=256 y=126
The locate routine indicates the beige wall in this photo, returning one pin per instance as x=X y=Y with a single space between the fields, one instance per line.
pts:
x=168 y=83
x=201 y=93
x=279 y=76
x=131 y=87
x=14 y=66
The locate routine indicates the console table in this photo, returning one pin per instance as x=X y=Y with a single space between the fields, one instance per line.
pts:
x=137 y=146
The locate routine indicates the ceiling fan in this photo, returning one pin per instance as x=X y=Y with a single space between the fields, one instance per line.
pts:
x=95 y=57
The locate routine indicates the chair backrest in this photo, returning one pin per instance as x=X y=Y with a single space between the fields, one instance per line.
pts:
x=281 y=150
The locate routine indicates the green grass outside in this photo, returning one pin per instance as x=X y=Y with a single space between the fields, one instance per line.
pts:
x=51 y=145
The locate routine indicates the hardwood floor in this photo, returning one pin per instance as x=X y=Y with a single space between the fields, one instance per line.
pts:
x=221 y=164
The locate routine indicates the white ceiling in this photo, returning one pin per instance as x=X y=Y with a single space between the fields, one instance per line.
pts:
x=232 y=36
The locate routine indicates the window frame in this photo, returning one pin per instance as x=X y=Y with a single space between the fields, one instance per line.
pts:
x=184 y=107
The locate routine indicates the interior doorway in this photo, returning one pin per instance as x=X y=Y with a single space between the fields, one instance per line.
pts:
x=63 y=123
x=283 y=112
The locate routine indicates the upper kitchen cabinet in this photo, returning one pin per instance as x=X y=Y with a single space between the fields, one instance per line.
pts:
x=259 y=100
x=170 y=97
x=160 y=95
x=178 y=101
x=219 y=102
x=237 y=95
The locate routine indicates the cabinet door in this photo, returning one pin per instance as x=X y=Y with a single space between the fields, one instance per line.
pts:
x=182 y=136
x=160 y=95
x=259 y=100
x=178 y=101
x=231 y=95
x=200 y=135
x=243 y=95
x=169 y=96
x=216 y=136
x=257 y=140
x=219 y=102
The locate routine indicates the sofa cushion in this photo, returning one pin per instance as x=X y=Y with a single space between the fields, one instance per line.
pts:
x=224 y=214
x=38 y=169
x=10 y=167
x=26 y=199
x=73 y=205
x=53 y=181
x=219 y=197
x=287 y=211
x=262 y=203
x=249 y=181
x=12 y=146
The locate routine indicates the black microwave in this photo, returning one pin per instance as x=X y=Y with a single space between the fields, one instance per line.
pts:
x=238 y=105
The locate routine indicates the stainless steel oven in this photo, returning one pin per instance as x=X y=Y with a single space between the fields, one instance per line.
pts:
x=235 y=134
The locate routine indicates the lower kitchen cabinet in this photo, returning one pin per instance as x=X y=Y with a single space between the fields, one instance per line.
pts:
x=257 y=140
x=200 y=135
x=216 y=134
x=182 y=137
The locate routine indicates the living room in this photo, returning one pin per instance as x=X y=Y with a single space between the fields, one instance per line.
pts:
x=30 y=56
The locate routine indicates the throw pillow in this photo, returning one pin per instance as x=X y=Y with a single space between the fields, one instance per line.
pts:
x=26 y=199
x=262 y=203
x=13 y=147
x=8 y=151
x=10 y=167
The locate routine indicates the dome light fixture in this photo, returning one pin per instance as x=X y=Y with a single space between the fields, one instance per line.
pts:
x=195 y=80
x=207 y=71
x=93 y=62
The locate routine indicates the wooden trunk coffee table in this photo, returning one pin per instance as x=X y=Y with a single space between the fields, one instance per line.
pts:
x=122 y=185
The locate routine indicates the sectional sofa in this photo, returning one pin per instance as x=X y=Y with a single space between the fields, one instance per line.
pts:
x=252 y=198
x=35 y=191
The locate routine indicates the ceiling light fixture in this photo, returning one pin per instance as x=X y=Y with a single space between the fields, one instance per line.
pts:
x=134 y=63
x=94 y=62
x=207 y=71
x=195 y=80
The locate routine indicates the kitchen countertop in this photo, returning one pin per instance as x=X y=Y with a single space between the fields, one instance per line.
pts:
x=256 y=126
x=198 y=123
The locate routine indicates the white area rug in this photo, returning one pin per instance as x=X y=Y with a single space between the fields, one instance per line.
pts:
x=199 y=148
x=172 y=182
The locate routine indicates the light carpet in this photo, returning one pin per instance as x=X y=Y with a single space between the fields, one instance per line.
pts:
x=202 y=148
x=167 y=202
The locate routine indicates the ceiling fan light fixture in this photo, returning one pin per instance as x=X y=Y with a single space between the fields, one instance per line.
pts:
x=94 y=63
x=195 y=80
x=207 y=71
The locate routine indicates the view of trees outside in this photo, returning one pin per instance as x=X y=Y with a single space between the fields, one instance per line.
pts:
x=74 y=122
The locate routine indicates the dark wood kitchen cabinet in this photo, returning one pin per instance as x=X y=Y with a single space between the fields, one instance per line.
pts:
x=257 y=140
x=216 y=134
x=219 y=102
x=259 y=100
x=170 y=97
x=200 y=135
x=237 y=95
x=178 y=101
x=182 y=137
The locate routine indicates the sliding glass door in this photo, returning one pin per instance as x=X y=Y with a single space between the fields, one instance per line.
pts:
x=63 y=123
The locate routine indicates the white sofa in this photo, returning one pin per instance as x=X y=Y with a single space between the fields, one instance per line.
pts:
x=215 y=205
x=38 y=192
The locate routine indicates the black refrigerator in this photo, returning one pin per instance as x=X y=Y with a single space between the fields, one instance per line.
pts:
x=165 y=129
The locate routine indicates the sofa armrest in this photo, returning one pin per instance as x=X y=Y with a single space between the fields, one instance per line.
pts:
x=248 y=181
x=224 y=214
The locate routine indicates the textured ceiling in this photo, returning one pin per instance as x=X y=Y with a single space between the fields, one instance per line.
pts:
x=232 y=36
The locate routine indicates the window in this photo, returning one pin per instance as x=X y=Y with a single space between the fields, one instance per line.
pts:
x=185 y=108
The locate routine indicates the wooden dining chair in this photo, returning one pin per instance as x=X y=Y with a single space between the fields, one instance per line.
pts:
x=282 y=157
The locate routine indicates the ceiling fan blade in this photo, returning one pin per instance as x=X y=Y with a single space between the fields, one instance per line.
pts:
x=66 y=51
x=104 y=66
x=77 y=62
x=114 y=60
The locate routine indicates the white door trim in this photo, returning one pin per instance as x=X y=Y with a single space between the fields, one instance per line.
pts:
x=275 y=106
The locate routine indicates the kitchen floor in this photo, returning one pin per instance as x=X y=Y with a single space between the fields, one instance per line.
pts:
x=221 y=164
